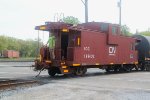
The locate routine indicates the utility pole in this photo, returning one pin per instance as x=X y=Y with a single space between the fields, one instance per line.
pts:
x=120 y=8
x=86 y=10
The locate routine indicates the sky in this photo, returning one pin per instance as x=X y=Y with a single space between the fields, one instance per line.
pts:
x=18 y=18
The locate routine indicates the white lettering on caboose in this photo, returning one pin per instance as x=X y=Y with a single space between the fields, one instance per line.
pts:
x=89 y=56
x=86 y=48
x=112 y=50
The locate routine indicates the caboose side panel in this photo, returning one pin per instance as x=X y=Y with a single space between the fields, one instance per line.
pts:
x=95 y=49
x=127 y=53
x=92 y=48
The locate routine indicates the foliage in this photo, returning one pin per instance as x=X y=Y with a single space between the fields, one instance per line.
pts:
x=126 y=30
x=27 y=48
x=71 y=20
x=146 y=33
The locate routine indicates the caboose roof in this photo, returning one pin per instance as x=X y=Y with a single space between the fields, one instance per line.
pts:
x=52 y=25
x=90 y=26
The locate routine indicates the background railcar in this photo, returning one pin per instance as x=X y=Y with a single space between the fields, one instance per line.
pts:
x=143 y=48
x=10 y=54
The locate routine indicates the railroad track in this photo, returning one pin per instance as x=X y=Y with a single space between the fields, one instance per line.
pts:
x=9 y=84
x=17 y=60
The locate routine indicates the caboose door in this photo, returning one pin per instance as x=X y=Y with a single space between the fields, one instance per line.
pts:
x=64 y=45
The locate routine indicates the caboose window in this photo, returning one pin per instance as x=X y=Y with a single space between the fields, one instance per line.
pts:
x=104 y=27
x=114 y=30
x=74 y=39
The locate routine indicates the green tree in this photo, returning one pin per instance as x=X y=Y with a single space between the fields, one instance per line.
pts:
x=3 y=43
x=27 y=48
x=71 y=20
x=146 y=33
x=126 y=30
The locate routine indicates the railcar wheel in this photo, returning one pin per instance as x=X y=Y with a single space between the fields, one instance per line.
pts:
x=80 y=71
x=51 y=72
x=147 y=67
x=116 y=69
x=128 y=68
x=121 y=69
x=136 y=67
x=107 y=70
x=84 y=70
x=142 y=68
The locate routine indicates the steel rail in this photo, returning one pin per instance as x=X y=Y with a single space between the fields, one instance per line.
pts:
x=14 y=83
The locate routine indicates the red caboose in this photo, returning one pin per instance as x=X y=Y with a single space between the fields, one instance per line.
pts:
x=87 y=45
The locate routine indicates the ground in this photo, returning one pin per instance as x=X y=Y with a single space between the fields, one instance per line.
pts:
x=95 y=85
